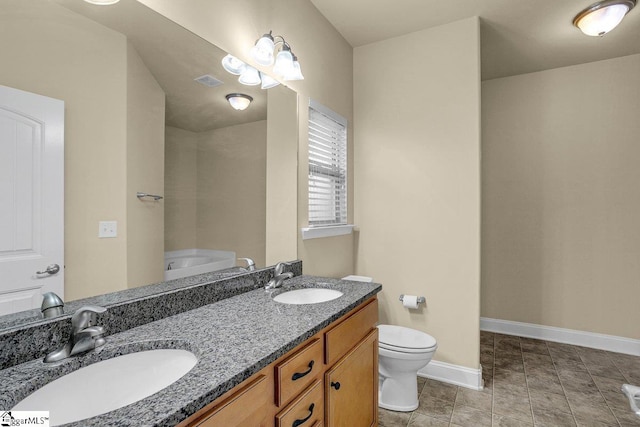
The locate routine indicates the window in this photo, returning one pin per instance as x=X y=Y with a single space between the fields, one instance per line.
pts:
x=327 y=167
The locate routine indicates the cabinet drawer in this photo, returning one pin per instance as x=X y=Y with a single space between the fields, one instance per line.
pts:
x=244 y=408
x=345 y=335
x=305 y=411
x=297 y=371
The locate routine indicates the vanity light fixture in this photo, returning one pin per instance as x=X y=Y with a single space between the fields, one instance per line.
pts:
x=267 y=81
x=102 y=2
x=603 y=16
x=286 y=63
x=248 y=75
x=233 y=65
x=239 y=101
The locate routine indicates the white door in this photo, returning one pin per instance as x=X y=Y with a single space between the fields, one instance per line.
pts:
x=31 y=199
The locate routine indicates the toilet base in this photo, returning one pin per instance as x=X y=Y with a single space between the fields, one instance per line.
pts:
x=399 y=393
x=398 y=408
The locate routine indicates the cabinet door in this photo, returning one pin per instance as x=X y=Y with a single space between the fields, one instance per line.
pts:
x=351 y=386
x=246 y=408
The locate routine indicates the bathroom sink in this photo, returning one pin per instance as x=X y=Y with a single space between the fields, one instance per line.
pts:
x=307 y=296
x=108 y=385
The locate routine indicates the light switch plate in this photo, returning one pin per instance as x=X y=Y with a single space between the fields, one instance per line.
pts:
x=108 y=229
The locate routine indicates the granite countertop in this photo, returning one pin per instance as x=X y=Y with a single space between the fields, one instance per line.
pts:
x=233 y=339
x=34 y=316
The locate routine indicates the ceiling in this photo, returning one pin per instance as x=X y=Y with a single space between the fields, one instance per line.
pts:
x=517 y=36
x=176 y=57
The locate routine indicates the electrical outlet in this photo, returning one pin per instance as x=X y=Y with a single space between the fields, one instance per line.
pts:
x=108 y=229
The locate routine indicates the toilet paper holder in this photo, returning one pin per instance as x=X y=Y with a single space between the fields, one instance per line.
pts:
x=421 y=300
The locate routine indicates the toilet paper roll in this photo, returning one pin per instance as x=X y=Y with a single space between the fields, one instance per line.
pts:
x=410 y=301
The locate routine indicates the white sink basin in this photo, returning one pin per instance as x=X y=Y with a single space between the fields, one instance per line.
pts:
x=111 y=384
x=307 y=296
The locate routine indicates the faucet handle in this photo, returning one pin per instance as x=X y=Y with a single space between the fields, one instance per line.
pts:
x=279 y=268
x=82 y=317
x=88 y=339
x=251 y=265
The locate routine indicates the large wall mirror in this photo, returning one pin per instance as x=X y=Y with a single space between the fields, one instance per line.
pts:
x=136 y=120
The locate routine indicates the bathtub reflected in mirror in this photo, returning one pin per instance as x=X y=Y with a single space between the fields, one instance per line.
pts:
x=189 y=262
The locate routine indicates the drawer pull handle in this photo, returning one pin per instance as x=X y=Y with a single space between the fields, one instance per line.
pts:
x=335 y=385
x=299 y=375
x=297 y=423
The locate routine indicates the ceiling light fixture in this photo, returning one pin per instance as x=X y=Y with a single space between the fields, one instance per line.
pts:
x=239 y=101
x=286 y=63
x=603 y=16
x=102 y=2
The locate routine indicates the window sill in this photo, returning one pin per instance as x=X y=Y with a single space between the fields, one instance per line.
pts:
x=328 y=231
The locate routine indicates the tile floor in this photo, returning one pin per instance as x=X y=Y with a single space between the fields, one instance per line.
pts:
x=530 y=383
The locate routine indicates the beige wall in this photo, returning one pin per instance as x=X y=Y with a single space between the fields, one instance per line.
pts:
x=327 y=64
x=231 y=195
x=216 y=191
x=561 y=201
x=180 y=189
x=145 y=172
x=417 y=181
x=281 y=176
x=56 y=53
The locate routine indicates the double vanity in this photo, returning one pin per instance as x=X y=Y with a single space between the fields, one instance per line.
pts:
x=249 y=359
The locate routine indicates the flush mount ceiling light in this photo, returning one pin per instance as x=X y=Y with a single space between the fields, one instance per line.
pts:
x=603 y=16
x=102 y=2
x=239 y=101
x=286 y=63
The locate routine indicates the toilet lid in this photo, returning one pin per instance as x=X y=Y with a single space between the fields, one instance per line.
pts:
x=404 y=339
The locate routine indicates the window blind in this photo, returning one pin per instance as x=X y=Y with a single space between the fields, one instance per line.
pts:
x=327 y=166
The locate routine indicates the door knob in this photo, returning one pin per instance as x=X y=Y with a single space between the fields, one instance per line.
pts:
x=51 y=269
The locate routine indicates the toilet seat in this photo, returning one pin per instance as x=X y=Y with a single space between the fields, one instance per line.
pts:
x=405 y=340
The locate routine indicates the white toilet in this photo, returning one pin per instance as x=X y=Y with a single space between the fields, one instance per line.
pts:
x=402 y=352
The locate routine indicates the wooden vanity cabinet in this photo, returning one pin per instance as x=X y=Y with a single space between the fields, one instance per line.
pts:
x=329 y=380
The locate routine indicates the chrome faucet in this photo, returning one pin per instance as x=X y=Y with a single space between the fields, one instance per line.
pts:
x=84 y=336
x=278 y=276
x=251 y=265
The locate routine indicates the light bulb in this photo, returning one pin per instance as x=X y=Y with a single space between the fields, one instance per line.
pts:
x=249 y=76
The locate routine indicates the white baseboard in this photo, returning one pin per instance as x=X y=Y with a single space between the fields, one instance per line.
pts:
x=561 y=335
x=453 y=374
